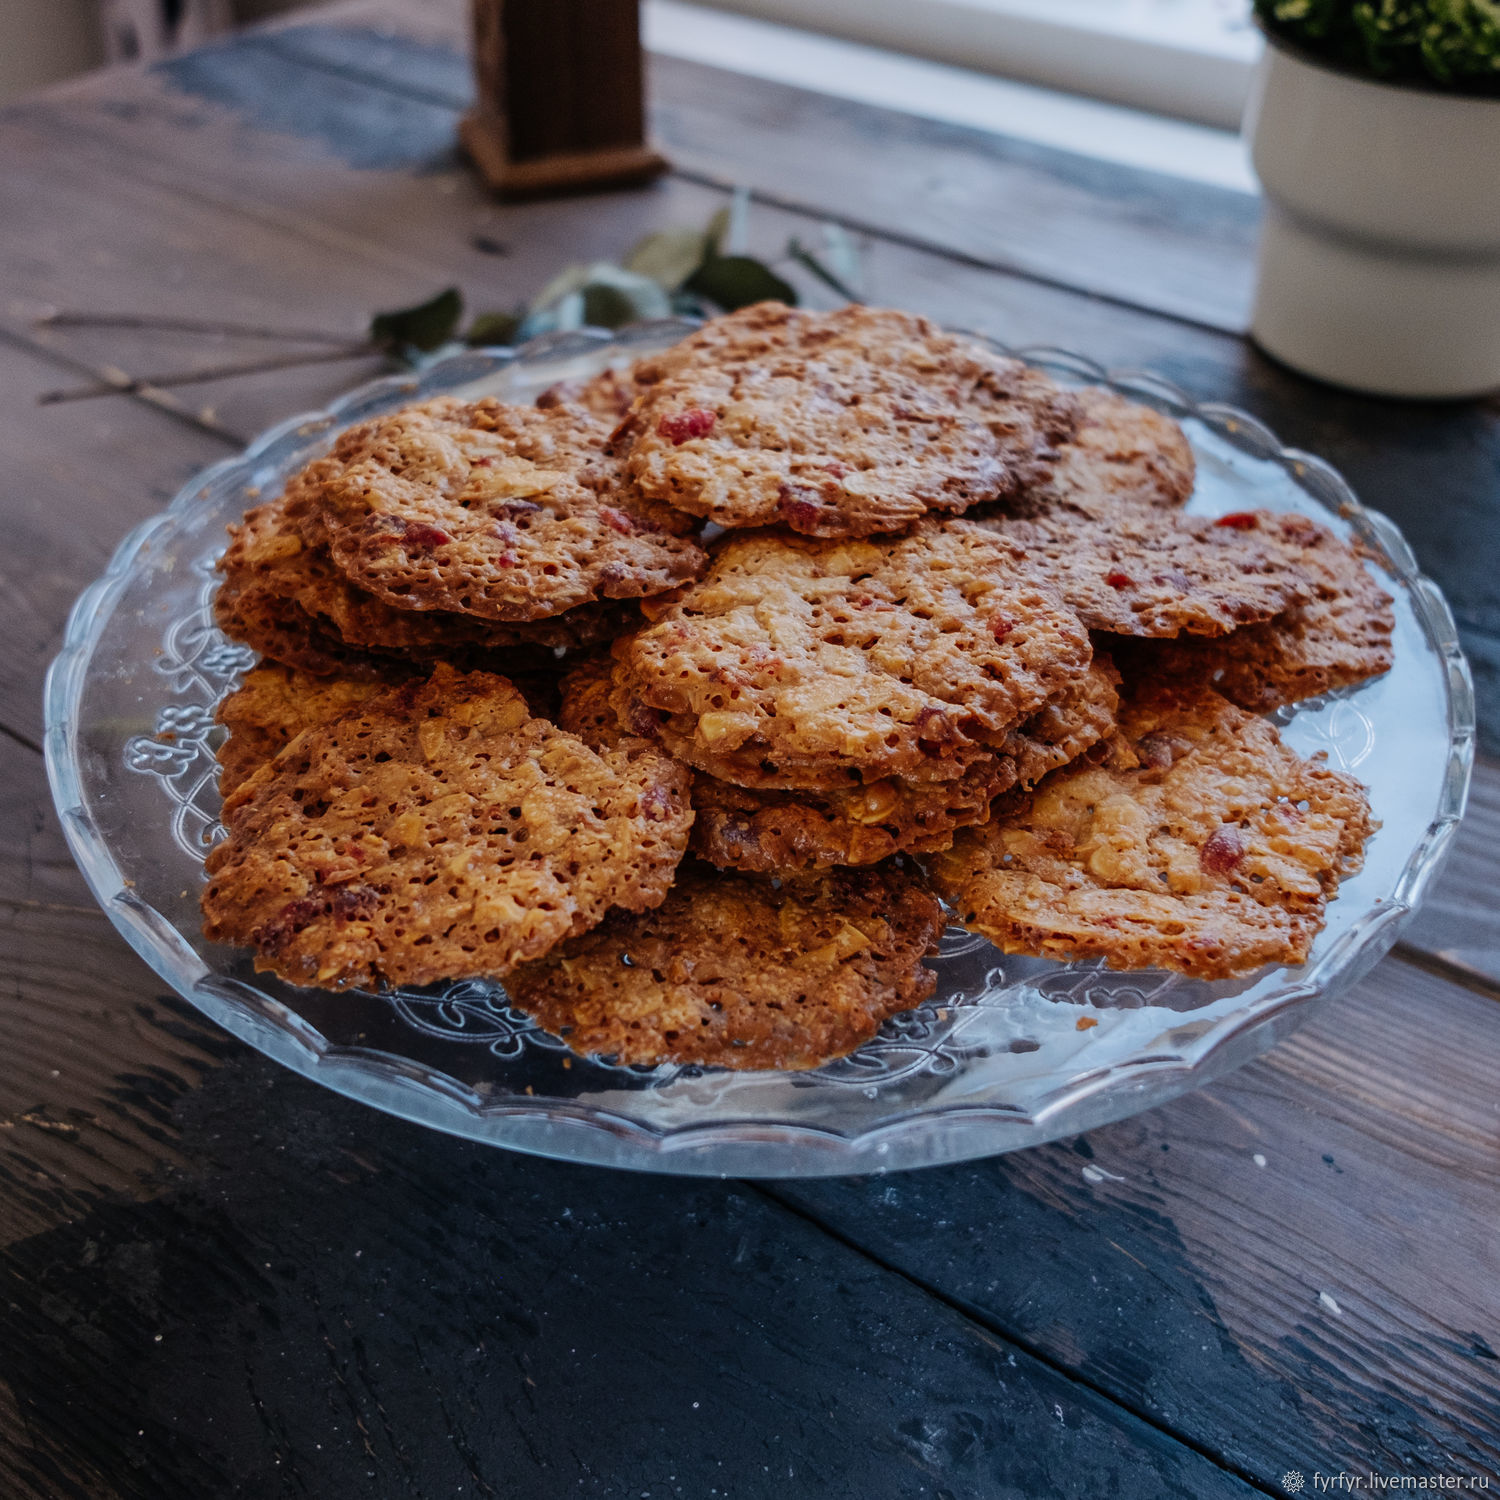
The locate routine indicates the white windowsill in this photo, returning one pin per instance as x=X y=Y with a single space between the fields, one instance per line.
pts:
x=938 y=91
x=1187 y=58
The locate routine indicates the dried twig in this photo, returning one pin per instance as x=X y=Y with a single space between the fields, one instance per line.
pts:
x=150 y=324
x=118 y=383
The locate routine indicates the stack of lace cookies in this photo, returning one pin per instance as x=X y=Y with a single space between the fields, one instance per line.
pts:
x=692 y=702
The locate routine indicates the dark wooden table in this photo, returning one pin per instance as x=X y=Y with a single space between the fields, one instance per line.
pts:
x=217 y=1279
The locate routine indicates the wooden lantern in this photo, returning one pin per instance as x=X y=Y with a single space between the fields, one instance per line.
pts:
x=561 y=96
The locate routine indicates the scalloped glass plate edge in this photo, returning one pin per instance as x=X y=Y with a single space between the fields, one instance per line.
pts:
x=728 y=1146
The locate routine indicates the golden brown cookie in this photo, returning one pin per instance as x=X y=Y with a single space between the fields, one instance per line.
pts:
x=1072 y=724
x=584 y=706
x=1135 y=570
x=1203 y=844
x=607 y=394
x=811 y=665
x=1121 y=453
x=771 y=832
x=438 y=831
x=272 y=706
x=838 y=424
x=741 y=973
x=283 y=597
x=281 y=630
x=1337 y=639
x=506 y=513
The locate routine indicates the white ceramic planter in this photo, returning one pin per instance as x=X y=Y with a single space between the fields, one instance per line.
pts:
x=1380 y=256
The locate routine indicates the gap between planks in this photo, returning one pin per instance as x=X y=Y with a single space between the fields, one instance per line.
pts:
x=995 y=1326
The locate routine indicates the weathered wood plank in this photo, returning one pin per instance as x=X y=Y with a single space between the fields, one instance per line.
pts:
x=76 y=481
x=1155 y=242
x=245 y=1285
x=1460 y=923
x=96 y=1056
x=1180 y=1260
x=36 y=868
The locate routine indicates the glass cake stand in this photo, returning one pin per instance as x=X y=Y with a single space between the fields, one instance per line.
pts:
x=996 y=1060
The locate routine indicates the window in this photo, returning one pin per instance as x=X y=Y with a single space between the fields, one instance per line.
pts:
x=720 y=34
x=1187 y=58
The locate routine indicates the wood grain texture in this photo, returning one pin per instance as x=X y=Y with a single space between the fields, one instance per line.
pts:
x=217 y=1279
x=1169 y=1267
x=36 y=868
x=76 y=480
x=1155 y=242
x=1458 y=925
x=348 y=1305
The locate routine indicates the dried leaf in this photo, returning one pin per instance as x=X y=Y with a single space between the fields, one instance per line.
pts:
x=668 y=257
x=713 y=236
x=606 y=306
x=425 y=327
x=492 y=328
x=735 y=281
x=805 y=258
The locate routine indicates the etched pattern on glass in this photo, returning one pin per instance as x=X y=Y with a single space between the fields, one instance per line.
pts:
x=1010 y=1051
x=202 y=666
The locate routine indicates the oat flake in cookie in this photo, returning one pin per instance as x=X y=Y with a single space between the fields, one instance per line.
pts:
x=814 y=665
x=1202 y=844
x=740 y=973
x=838 y=424
x=505 y=513
x=438 y=831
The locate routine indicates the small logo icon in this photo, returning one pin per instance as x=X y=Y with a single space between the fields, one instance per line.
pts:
x=1292 y=1482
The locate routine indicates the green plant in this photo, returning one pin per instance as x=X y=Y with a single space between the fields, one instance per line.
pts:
x=693 y=271
x=1453 y=43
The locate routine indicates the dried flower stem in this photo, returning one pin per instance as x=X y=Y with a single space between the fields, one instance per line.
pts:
x=118 y=383
x=214 y=328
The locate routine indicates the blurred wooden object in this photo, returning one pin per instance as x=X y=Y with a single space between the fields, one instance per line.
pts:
x=145 y=30
x=45 y=41
x=561 y=96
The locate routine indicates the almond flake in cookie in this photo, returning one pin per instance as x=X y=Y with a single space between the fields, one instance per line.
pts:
x=838 y=424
